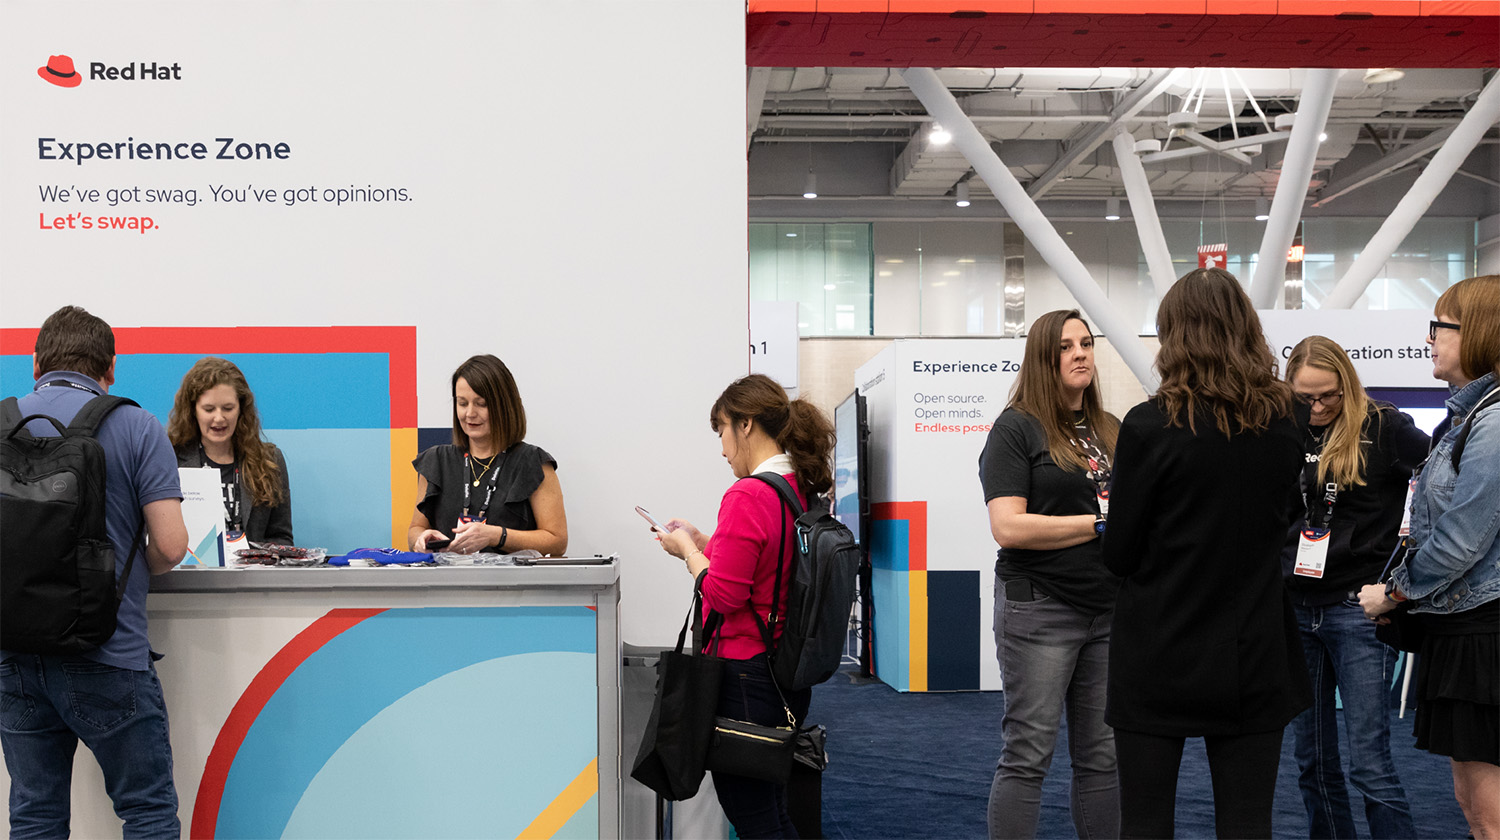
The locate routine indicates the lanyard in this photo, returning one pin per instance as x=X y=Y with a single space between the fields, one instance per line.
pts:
x=65 y=383
x=1310 y=483
x=1099 y=465
x=489 y=490
x=232 y=492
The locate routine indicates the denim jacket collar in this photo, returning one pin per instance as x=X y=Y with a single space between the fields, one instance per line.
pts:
x=1461 y=400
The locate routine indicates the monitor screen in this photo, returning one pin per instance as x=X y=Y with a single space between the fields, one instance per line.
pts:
x=1425 y=405
x=850 y=500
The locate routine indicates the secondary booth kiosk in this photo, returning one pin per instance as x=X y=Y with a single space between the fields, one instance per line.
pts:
x=388 y=702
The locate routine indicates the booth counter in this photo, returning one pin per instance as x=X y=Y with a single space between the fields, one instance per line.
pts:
x=387 y=702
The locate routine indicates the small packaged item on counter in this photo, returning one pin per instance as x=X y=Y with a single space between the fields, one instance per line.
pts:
x=271 y=554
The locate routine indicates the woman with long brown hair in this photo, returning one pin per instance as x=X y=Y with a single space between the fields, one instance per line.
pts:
x=489 y=490
x=1204 y=642
x=1045 y=470
x=214 y=423
x=1359 y=455
x=760 y=431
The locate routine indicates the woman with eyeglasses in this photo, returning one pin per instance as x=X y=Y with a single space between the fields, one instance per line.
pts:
x=1359 y=456
x=1450 y=575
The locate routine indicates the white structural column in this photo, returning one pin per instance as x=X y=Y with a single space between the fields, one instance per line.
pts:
x=1291 y=187
x=1424 y=190
x=1143 y=209
x=924 y=82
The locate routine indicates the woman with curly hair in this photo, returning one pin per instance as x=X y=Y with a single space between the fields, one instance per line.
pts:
x=214 y=424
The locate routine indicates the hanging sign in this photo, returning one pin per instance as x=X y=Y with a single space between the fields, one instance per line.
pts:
x=1213 y=256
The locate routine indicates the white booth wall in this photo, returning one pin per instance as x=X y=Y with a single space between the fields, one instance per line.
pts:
x=617 y=301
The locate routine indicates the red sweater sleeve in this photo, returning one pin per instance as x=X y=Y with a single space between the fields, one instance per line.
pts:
x=742 y=555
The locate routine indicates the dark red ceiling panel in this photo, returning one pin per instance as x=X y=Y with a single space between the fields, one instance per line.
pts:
x=1123 y=33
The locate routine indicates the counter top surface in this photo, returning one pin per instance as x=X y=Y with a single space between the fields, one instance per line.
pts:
x=586 y=574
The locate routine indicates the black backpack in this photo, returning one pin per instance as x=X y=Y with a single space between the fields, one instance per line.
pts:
x=825 y=567
x=57 y=567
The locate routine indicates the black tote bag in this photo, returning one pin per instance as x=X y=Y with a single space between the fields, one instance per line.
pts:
x=675 y=745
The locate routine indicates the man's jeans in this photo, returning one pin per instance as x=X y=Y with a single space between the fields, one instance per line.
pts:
x=1342 y=651
x=47 y=705
x=1053 y=657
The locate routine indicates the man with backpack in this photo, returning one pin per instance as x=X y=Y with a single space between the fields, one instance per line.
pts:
x=107 y=695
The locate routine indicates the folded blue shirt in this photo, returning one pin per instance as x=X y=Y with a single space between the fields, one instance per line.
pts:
x=383 y=556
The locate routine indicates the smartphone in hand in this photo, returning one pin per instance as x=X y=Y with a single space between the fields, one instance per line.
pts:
x=646 y=515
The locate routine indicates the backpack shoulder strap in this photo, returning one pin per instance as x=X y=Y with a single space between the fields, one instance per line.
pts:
x=1463 y=434
x=784 y=489
x=10 y=414
x=89 y=418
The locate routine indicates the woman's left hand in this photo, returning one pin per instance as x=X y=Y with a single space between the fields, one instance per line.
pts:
x=1373 y=601
x=678 y=543
x=470 y=537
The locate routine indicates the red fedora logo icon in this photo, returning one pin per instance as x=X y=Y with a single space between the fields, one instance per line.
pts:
x=59 y=71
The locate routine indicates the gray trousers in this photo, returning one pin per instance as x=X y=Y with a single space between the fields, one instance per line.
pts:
x=1052 y=658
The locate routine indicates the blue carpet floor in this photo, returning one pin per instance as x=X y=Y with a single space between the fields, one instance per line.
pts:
x=920 y=765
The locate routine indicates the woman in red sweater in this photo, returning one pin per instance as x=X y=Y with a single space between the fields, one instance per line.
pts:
x=760 y=430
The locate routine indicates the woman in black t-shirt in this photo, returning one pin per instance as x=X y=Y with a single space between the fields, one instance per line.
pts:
x=489 y=490
x=1045 y=471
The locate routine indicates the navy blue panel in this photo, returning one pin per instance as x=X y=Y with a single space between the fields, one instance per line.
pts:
x=952 y=631
x=428 y=438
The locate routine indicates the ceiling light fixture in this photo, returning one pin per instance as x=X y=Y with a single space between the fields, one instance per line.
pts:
x=1112 y=209
x=810 y=186
x=962 y=194
x=1381 y=75
x=938 y=136
x=1262 y=210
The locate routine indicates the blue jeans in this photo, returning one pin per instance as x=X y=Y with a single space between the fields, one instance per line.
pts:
x=50 y=703
x=1052 y=658
x=756 y=808
x=1342 y=651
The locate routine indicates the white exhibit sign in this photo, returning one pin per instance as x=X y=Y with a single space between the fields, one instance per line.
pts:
x=1388 y=347
x=774 y=341
x=931 y=403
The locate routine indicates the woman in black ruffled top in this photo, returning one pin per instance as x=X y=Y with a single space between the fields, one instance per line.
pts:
x=488 y=490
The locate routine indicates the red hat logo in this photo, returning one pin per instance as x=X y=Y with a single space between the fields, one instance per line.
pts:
x=59 y=71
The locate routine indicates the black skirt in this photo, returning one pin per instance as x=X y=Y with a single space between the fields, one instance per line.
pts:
x=1458 y=685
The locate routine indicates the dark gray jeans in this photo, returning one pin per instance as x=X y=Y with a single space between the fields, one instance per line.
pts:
x=1053 y=657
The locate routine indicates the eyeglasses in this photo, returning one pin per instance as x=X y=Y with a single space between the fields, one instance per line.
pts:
x=1326 y=400
x=1434 y=326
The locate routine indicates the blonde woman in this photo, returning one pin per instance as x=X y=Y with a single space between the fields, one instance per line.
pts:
x=214 y=423
x=1359 y=456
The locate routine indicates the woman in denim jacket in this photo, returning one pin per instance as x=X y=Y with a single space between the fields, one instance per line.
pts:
x=1453 y=578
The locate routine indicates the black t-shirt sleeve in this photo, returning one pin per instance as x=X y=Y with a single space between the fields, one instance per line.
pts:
x=1005 y=463
x=1406 y=444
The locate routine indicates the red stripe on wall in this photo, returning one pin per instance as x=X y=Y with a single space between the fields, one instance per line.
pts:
x=248 y=708
x=399 y=344
x=915 y=514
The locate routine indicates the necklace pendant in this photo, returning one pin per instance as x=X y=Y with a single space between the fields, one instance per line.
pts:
x=476 y=482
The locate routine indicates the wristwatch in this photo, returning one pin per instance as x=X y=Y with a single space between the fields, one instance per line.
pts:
x=1099 y=524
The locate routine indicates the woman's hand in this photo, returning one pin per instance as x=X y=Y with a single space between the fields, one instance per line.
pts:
x=420 y=543
x=1373 y=601
x=700 y=539
x=470 y=537
x=678 y=543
